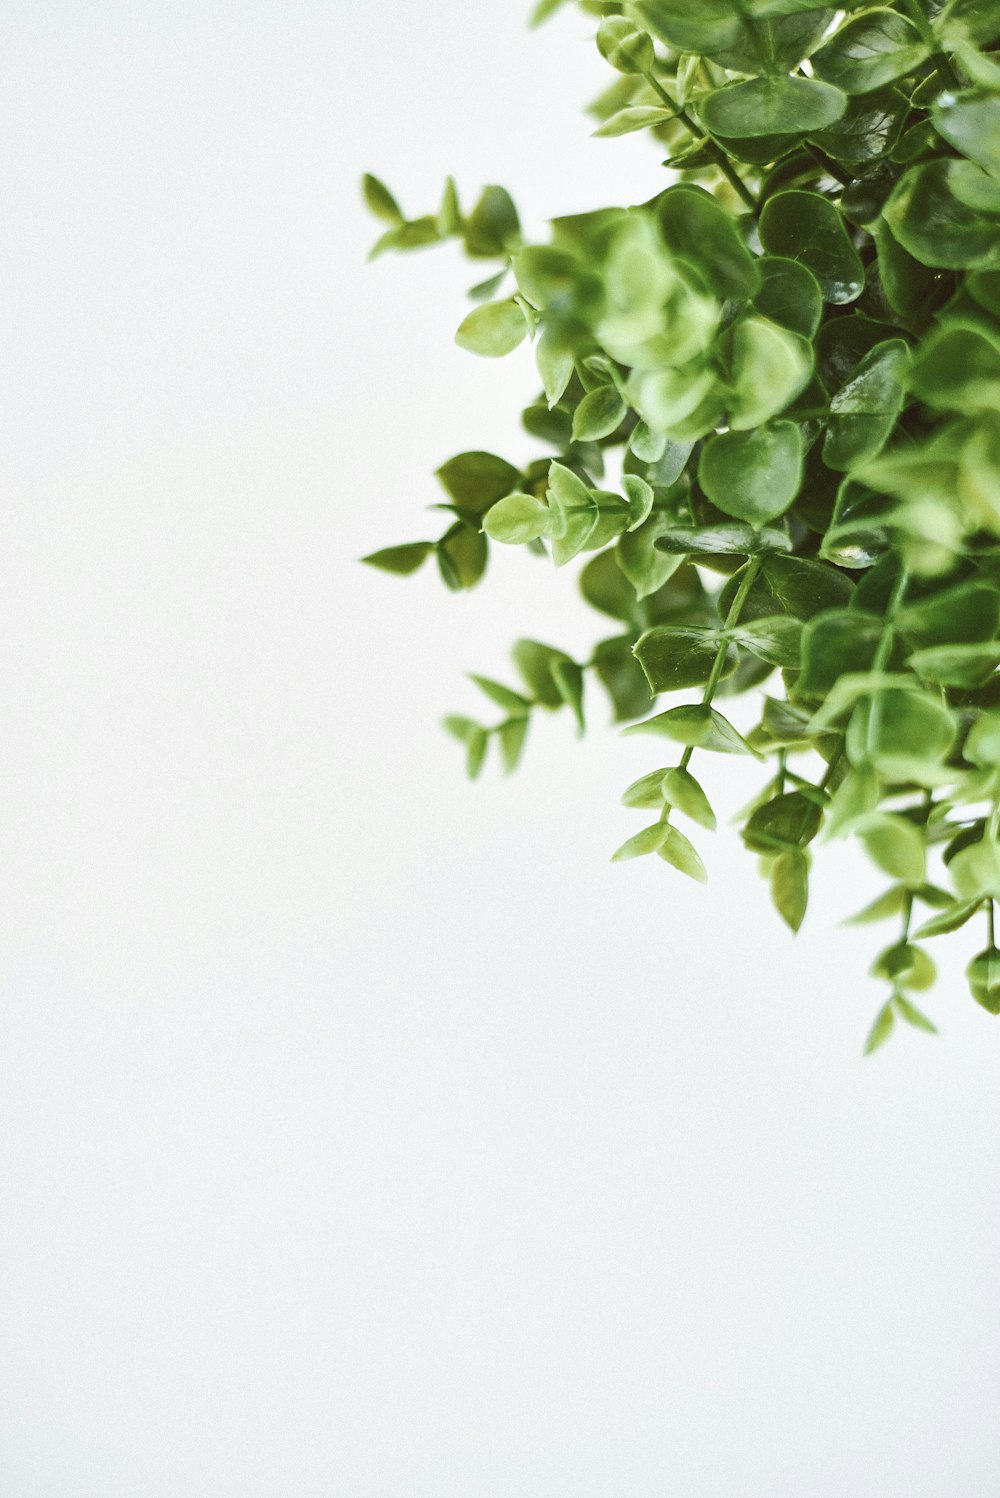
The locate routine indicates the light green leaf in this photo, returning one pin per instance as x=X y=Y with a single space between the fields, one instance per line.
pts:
x=634 y=117
x=492 y=330
x=698 y=726
x=599 y=413
x=675 y=849
x=624 y=46
x=647 y=568
x=753 y=475
x=895 y=845
x=790 y=885
x=950 y=919
x=510 y=737
x=697 y=228
x=769 y=367
x=568 y=677
x=648 y=840
x=517 y=518
x=965 y=666
x=535 y=662
x=647 y=791
x=379 y=200
x=639 y=498
x=957 y=368
x=880 y=1031
x=780 y=105
x=680 y=789
x=512 y=702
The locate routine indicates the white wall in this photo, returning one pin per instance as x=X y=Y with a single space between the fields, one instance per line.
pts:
x=364 y=1132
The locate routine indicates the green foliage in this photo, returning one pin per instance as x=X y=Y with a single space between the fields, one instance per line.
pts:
x=769 y=406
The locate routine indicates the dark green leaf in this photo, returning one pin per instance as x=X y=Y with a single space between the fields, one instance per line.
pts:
x=863 y=411
x=867 y=130
x=511 y=736
x=462 y=555
x=674 y=657
x=512 y=702
x=699 y=727
x=931 y=222
x=492 y=227
x=738 y=539
x=789 y=295
x=697 y=228
x=971 y=123
x=476 y=480
x=622 y=677
x=834 y=643
x=772 y=106
x=647 y=568
x=790 y=820
x=400 y=559
x=807 y=227
x=983 y=974
x=777 y=640
x=870 y=51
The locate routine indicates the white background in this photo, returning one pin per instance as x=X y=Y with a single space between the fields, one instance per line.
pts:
x=364 y=1133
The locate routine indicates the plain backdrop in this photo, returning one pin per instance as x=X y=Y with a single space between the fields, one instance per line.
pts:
x=364 y=1133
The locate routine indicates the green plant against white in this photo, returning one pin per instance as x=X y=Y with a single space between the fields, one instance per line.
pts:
x=788 y=359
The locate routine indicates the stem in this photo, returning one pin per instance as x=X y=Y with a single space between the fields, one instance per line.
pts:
x=829 y=165
x=940 y=61
x=991 y=922
x=718 y=665
x=718 y=155
x=884 y=651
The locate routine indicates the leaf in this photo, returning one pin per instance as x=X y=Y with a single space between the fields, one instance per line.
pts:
x=804 y=587
x=400 y=559
x=599 y=414
x=836 y=643
x=983 y=974
x=697 y=228
x=516 y=519
x=511 y=736
x=966 y=666
x=634 y=117
x=647 y=568
x=462 y=555
x=645 y=792
x=476 y=480
x=807 y=227
x=622 y=677
x=777 y=640
x=492 y=228
x=971 y=123
x=739 y=539
x=698 y=726
x=856 y=796
x=680 y=789
x=789 y=820
x=771 y=106
x=413 y=235
x=648 y=840
x=950 y=919
x=975 y=871
x=473 y=736
x=965 y=614
x=870 y=51
x=535 y=662
x=908 y=1011
x=379 y=200
x=492 y=330
x=624 y=46
x=789 y=295
x=867 y=130
x=957 y=368
x=639 y=498
x=753 y=475
x=675 y=849
x=568 y=678
x=790 y=886
x=555 y=365
x=674 y=657
x=512 y=702
x=605 y=587
x=880 y=1031
x=930 y=221
x=890 y=904
x=895 y=845
x=769 y=367
x=863 y=412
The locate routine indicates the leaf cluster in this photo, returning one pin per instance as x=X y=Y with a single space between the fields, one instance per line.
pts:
x=770 y=412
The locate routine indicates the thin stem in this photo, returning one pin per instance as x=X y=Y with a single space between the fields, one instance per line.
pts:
x=940 y=61
x=991 y=922
x=718 y=665
x=884 y=651
x=829 y=165
x=718 y=155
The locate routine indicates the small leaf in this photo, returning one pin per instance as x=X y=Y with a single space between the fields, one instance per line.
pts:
x=647 y=791
x=400 y=559
x=624 y=46
x=476 y=480
x=738 y=539
x=646 y=841
x=912 y=1015
x=863 y=412
x=698 y=229
x=599 y=413
x=880 y=1031
x=789 y=295
x=511 y=736
x=790 y=886
x=568 y=678
x=769 y=367
x=892 y=903
x=966 y=666
x=680 y=789
x=492 y=330
x=950 y=919
x=379 y=200
x=517 y=518
x=639 y=498
x=895 y=845
x=983 y=974
x=698 y=726
x=929 y=219
x=675 y=849
x=462 y=555
x=512 y=702
x=634 y=117
x=535 y=662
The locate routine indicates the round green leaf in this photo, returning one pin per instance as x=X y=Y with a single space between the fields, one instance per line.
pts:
x=772 y=106
x=809 y=228
x=492 y=330
x=929 y=219
x=517 y=518
x=789 y=295
x=674 y=657
x=869 y=51
x=753 y=476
